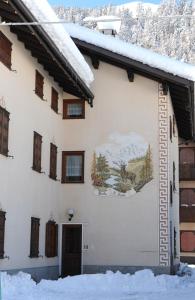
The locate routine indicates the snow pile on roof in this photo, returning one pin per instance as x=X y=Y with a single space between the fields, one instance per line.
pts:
x=134 y=52
x=115 y=286
x=42 y=11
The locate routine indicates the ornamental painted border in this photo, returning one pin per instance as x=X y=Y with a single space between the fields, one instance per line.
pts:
x=163 y=178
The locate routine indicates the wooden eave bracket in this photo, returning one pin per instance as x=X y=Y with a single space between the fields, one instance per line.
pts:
x=130 y=75
x=95 y=62
x=90 y=101
x=165 y=87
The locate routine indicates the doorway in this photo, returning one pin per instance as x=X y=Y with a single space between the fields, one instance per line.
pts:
x=71 y=257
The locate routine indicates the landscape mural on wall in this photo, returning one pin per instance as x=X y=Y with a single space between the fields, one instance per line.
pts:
x=122 y=166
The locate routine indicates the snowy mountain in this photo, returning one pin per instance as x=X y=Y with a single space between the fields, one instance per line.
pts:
x=132 y=7
x=123 y=148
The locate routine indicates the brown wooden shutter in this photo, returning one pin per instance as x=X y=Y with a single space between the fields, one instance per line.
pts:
x=53 y=161
x=34 y=240
x=174 y=183
x=4 y=131
x=39 y=82
x=51 y=239
x=187 y=241
x=171 y=193
x=174 y=126
x=5 y=50
x=2 y=233
x=37 y=152
x=170 y=128
x=54 y=100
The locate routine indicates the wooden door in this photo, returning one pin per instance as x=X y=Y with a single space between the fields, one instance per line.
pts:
x=71 y=250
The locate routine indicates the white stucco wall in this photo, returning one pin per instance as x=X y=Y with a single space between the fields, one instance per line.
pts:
x=117 y=230
x=24 y=192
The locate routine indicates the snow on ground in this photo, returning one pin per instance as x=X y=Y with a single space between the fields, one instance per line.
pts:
x=143 y=285
x=137 y=53
x=43 y=12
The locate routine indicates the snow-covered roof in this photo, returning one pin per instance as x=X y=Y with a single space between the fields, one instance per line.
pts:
x=131 y=51
x=43 y=12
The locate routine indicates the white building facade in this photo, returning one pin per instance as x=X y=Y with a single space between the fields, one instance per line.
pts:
x=107 y=175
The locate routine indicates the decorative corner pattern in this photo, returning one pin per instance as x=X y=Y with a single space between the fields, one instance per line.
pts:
x=163 y=178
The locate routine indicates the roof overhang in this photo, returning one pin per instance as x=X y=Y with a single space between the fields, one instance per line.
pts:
x=181 y=89
x=42 y=47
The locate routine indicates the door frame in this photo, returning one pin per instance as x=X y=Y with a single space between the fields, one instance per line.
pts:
x=60 y=245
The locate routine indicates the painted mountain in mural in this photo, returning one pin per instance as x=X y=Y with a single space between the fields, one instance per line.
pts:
x=122 y=166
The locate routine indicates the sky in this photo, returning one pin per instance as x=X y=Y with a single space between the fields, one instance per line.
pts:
x=92 y=3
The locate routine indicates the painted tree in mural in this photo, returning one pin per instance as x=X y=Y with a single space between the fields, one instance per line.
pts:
x=100 y=171
x=146 y=171
x=124 y=179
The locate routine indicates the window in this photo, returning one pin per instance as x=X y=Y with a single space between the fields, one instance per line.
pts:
x=37 y=152
x=39 y=82
x=54 y=100
x=2 y=233
x=187 y=197
x=5 y=50
x=74 y=109
x=73 y=167
x=34 y=239
x=187 y=241
x=4 y=130
x=51 y=240
x=187 y=163
x=53 y=161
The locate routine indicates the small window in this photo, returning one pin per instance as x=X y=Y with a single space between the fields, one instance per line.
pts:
x=74 y=109
x=187 y=197
x=2 y=233
x=37 y=152
x=4 y=131
x=5 y=50
x=34 y=239
x=187 y=241
x=73 y=167
x=54 y=100
x=51 y=240
x=39 y=83
x=53 y=161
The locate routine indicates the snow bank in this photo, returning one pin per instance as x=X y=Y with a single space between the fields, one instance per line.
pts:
x=43 y=12
x=137 y=53
x=98 y=286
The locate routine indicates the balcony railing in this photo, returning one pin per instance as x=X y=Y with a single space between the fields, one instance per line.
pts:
x=187 y=171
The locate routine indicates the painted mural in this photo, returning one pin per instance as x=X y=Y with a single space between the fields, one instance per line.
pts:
x=122 y=166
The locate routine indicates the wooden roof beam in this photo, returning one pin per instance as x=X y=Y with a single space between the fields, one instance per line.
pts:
x=95 y=62
x=130 y=75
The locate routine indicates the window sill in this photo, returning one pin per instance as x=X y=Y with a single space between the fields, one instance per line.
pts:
x=72 y=182
x=73 y=118
x=53 y=178
x=38 y=171
x=38 y=95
